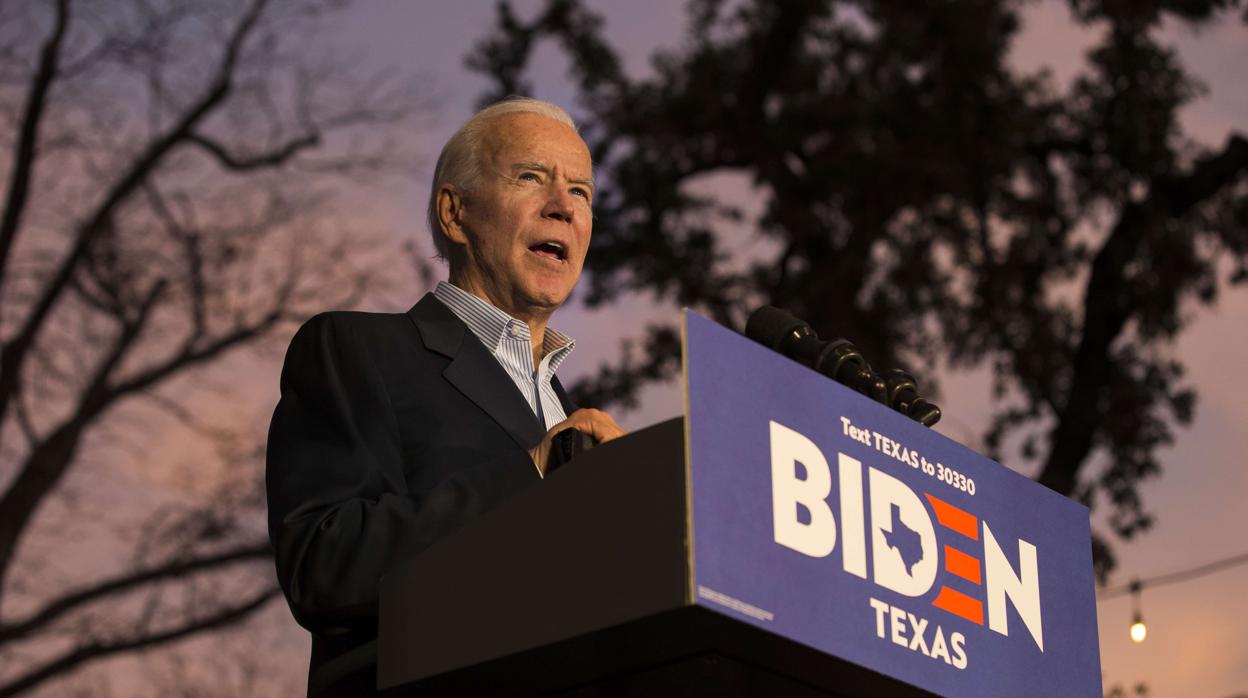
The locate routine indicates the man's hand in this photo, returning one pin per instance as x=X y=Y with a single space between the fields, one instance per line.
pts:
x=596 y=423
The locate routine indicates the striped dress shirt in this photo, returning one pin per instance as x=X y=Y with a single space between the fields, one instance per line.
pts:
x=509 y=340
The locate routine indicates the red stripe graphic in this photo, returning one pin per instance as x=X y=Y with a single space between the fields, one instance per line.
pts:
x=954 y=518
x=960 y=604
x=961 y=564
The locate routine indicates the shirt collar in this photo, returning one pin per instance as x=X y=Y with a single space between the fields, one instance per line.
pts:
x=556 y=346
x=492 y=325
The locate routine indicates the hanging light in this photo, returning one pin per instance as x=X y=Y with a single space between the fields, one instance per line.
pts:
x=1139 y=631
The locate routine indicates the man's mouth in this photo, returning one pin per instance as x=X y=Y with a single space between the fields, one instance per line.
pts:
x=550 y=250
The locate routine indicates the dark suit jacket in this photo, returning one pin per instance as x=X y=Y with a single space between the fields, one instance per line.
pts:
x=393 y=430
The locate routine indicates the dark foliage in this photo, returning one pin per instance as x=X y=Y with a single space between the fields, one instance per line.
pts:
x=924 y=199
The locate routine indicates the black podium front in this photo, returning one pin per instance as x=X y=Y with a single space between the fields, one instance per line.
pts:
x=582 y=587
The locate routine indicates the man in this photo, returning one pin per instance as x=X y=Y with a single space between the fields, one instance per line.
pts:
x=395 y=430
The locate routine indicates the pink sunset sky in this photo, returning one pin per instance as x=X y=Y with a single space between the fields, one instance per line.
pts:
x=1198 y=645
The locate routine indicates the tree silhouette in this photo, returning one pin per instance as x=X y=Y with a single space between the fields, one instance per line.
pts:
x=168 y=200
x=923 y=199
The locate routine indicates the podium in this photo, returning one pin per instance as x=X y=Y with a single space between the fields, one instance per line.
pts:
x=787 y=537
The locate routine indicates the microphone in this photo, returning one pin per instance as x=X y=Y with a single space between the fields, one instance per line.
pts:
x=839 y=359
x=783 y=332
x=903 y=396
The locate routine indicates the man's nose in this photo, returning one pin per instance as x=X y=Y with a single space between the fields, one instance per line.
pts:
x=559 y=205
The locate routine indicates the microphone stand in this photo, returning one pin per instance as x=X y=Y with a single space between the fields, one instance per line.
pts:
x=838 y=359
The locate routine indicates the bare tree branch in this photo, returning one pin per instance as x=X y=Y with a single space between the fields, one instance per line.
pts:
x=93 y=651
x=32 y=117
x=48 y=460
x=189 y=356
x=15 y=353
x=47 y=463
x=175 y=569
x=190 y=243
x=273 y=158
x=187 y=175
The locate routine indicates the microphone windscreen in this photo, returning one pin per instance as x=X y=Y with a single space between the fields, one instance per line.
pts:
x=769 y=326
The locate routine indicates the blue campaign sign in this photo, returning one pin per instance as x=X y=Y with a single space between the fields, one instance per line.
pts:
x=826 y=518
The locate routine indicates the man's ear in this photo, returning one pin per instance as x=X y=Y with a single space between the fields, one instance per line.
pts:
x=451 y=213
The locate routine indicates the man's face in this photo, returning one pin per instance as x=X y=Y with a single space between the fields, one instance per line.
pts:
x=525 y=226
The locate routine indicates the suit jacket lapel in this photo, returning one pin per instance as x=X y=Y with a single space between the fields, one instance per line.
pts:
x=474 y=372
x=568 y=407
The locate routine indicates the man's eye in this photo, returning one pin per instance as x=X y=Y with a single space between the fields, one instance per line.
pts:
x=581 y=192
x=530 y=176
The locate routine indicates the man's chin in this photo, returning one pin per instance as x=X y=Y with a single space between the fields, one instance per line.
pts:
x=548 y=299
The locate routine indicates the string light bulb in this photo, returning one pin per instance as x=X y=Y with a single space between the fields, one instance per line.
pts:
x=1139 y=631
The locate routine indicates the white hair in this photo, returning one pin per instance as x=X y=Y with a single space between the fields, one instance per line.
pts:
x=460 y=161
